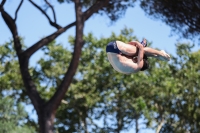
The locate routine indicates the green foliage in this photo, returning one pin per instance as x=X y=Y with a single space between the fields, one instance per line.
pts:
x=186 y=104
x=99 y=92
x=11 y=87
x=50 y=69
x=103 y=100
x=10 y=81
x=89 y=96
x=12 y=118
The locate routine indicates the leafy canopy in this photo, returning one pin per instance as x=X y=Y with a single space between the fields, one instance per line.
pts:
x=181 y=15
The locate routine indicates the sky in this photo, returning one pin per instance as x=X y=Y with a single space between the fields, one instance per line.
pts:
x=32 y=25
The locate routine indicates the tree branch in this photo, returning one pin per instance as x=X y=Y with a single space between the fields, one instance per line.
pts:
x=23 y=62
x=54 y=24
x=94 y=8
x=54 y=15
x=55 y=101
x=45 y=41
x=59 y=94
x=2 y=4
x=80 y=19
x=18 y=10
x=13 y=28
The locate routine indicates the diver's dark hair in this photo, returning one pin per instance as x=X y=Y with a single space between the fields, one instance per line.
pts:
x=145 y=64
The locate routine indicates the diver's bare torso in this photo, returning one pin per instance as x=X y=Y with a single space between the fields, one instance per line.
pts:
x=117 y=62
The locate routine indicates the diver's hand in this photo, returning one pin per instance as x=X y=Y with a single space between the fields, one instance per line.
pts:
x=164 y=56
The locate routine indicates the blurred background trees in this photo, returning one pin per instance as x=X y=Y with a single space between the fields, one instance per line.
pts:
x=103 y=100
x=13 y=117
x=99 y=99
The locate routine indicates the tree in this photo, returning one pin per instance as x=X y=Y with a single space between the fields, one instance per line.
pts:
x=165 y=95
x=46 y=109
x=175 y=101
x=181 y=15
x=186 y=104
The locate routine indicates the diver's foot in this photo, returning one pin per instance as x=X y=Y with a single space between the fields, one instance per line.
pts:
x=144 y=42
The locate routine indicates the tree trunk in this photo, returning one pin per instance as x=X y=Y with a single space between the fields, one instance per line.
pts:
x=46 y=121
x=160 y=126
x=136 y=124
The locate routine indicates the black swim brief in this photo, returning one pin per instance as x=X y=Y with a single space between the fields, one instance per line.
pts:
x=112 y=47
